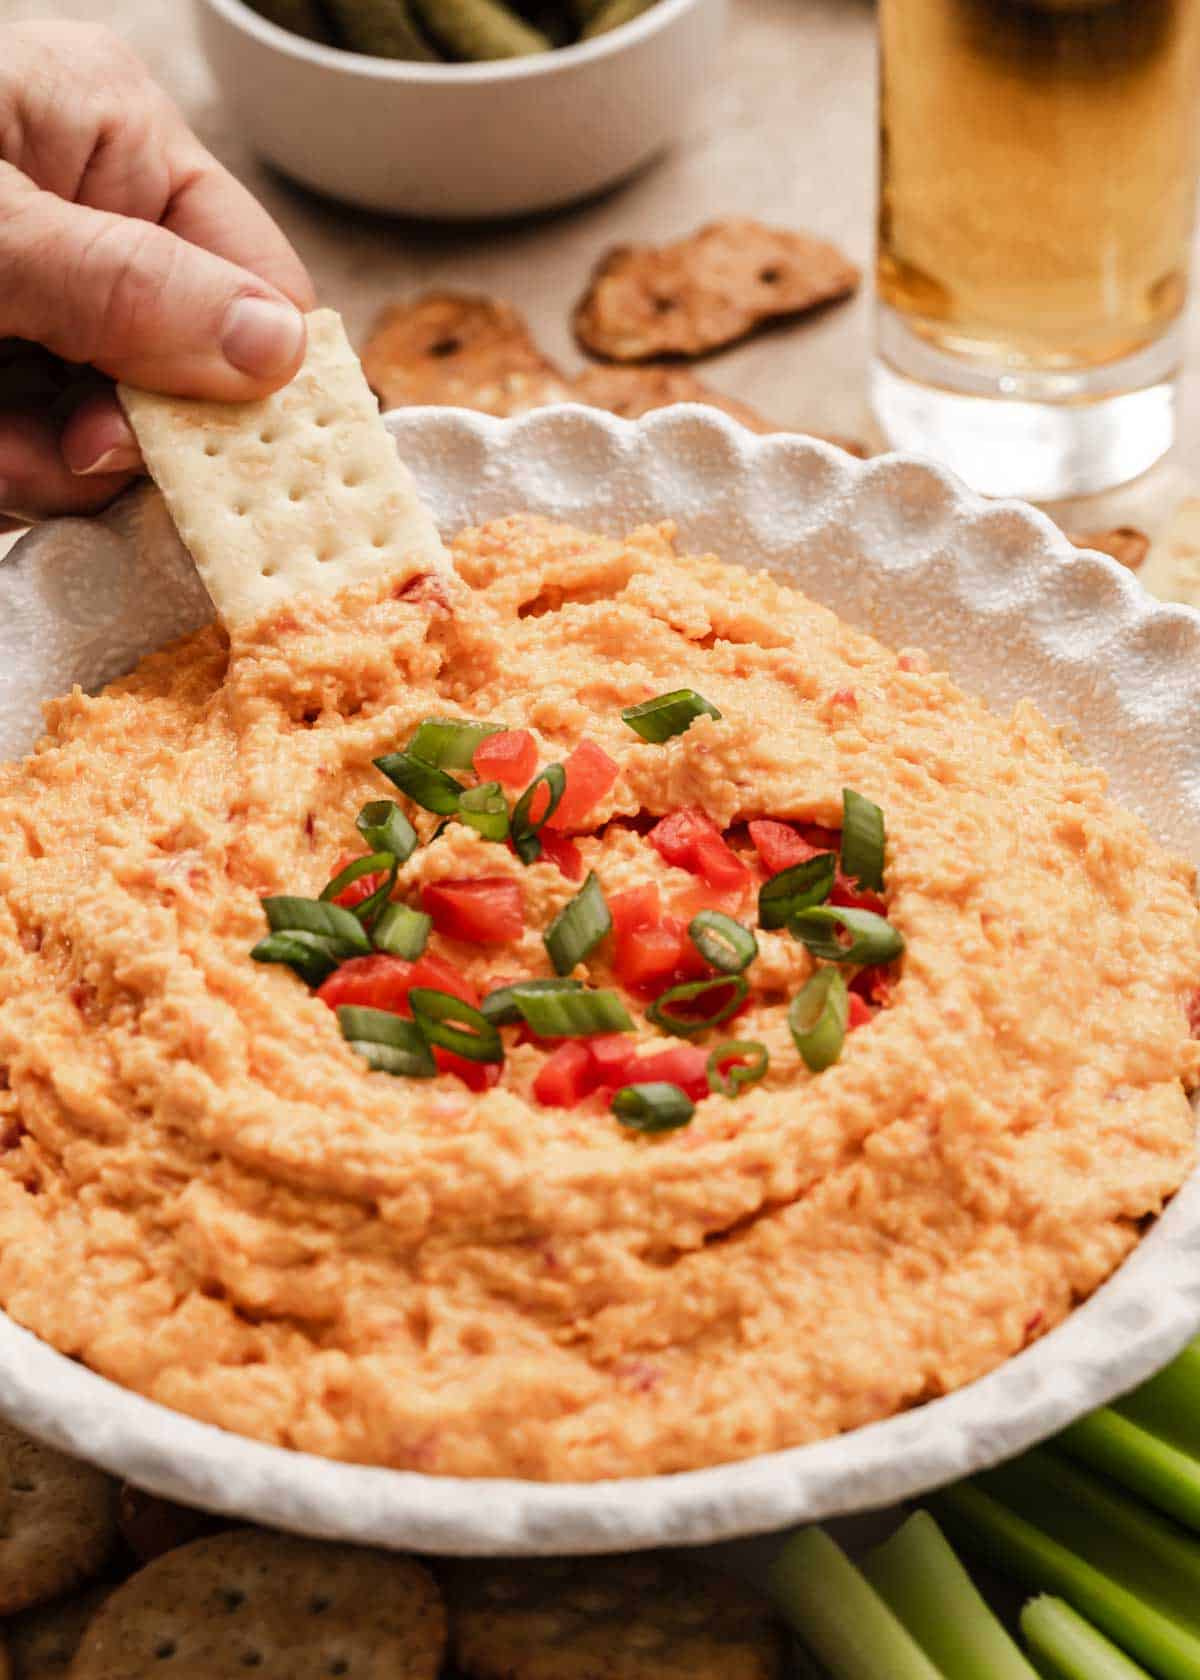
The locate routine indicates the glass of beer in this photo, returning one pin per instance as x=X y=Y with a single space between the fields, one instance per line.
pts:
x=1038 y=173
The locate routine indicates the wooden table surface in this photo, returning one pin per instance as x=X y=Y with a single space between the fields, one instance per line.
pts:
x=787 y=134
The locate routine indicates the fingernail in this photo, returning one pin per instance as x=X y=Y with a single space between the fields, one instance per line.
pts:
x=262 y=338
x=119 y=459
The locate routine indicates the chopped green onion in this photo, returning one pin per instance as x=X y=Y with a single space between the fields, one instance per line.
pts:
x=579 y=926
x=501 y=1008
x=817 y=1018
x=387 y=1041
x=666 y=715
x=525 y=829
x=664 y=1014
x=1153 y=1468
x=313 y=956
x=874 y=939
x=923 y=1584
x=402 y=931
x=449 y=743
x=862 y=840
x=653 y=1107
x=839 y=1616
x=486 y=810
x=1065 y=1647
x=377 y=863
x=454 y=1025
x=313 y=915
x=424 y=784
x=797 y=888
x=1058 y=1529
x=748 y=1060
x=721 y=941
x=385 y=828
x=572 y=1014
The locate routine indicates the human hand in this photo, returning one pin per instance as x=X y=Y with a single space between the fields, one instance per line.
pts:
x=126 y=252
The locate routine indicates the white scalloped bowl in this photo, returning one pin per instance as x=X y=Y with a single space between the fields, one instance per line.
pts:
x=901 y=549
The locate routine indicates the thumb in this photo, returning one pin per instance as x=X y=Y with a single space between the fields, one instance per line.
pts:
x=138 y=302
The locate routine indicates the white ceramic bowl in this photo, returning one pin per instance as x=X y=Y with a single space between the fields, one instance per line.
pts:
x=898 y=547
x=455 y=141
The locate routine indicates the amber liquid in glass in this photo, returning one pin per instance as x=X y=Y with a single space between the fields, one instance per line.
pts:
x=1038 y=170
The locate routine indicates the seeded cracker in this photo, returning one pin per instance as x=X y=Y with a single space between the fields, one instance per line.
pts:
x=270 y=1605
x=302 y=493
x=43 y=1642
x=630 y=1618
x=58 y=1522
x=707 y=290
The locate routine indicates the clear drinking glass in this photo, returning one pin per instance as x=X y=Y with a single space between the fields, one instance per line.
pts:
x=1038 y=167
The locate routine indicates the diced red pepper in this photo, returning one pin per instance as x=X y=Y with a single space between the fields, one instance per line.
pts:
x=860 y=1012
x=690 y=840
x=779 y=845
x=821 y=839
x=874 y=983
x=636 y=907
x=851 y=896
x=685 y=1065
x=557 y=849
x=476 y=1076
x=651 y=951
x=489 y=910
x=509 y=757
x=590 y=775
x=566 y=1076
x=610 y=1053
x=358 y=891
x=383 y=982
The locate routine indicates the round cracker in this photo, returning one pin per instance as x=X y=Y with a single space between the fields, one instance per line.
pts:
x=58 y=1521
x=151 y=1526
x=43 y=1641
x=271 y=1605
x=627 y=1618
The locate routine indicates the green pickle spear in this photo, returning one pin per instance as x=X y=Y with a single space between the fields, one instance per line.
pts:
x=480 y=29
x=301 y=17
x=381 y=28
x=611 y=14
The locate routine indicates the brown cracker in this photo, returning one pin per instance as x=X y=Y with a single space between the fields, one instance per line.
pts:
x=627 y=1618
x=1122 y=542
x=302 y=493
x=272 y=1605
x=459 y=350
x=44 y=1641
x=151 y=1526
x=707 y=290
x=634 y=391
x=59 y=1521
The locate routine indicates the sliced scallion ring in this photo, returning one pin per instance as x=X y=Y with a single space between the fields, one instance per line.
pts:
x=665 y=1014
x=666 y=715
x=572 y=1014
x=385 y=828
x=449 y=743
x=387 y=1042
x=872 y=938
x=313 y=956
x=424 y=784
x=579 y=926
x=653 y=1107
x=486 y=810
x=818 y=1016
x=314 y=915
x=402 y=931
x=454 y=1025
x=376 y=863
x=862 y=840
x=501 y=1008
x=721 y=941
x=747 y=1061
x=795 y=889
x=525 y=828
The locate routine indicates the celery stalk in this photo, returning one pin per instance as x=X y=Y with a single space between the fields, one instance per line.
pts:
x=1065 y=1647
x=1169 y=1404
x=922 y=1582
x=1085 y=1555
x=839 y=1617
x=1139 y=1460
